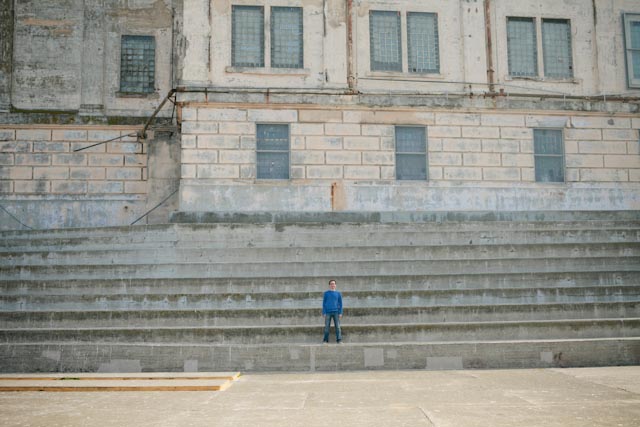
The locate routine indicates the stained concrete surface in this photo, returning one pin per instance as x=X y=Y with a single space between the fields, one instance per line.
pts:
x=549 y=397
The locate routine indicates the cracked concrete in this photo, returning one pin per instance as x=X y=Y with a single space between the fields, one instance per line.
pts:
x=550 y=397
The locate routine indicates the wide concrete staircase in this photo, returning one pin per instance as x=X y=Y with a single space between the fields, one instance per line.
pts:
x=450 y=291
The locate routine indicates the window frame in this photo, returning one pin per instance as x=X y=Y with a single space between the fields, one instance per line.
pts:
x=267 y=40
x=288 y=151
x=563 y=156
x=632 y=81
x=272 y=32
x=541 y=64
x=425 y=153
x=124 y=91
x=404 y=41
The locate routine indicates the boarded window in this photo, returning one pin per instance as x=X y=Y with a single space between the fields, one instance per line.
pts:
x=411 y=153
x=286 y=37
x=632 y=47
x=549 y=155
x=137 y=64
x=522 y=47
x=272 y=143
x=247 y=38
x=422 y=37
x=556 y=48
x=385 y=41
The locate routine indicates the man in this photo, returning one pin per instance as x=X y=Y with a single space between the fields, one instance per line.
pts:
x=332 y=309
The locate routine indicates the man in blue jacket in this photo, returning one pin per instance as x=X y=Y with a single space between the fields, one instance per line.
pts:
x=332 y=309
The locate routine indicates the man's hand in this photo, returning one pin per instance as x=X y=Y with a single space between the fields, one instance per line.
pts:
x=340 y=316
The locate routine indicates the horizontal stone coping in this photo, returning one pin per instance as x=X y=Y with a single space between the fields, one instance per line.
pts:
x=398 y=217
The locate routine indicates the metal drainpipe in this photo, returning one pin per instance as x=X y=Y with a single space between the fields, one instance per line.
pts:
x=489 y=44
x=350 y=74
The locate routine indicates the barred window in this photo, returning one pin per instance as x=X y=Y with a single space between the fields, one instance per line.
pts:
x=385 y=40
x=422 y=36
x=272 y=142
x=137 y=64
x=286 y=37
x=549 y=155
x=556 y=47
x=522 y=49
x=632 y=47
x=411 y=153
x=247 y=38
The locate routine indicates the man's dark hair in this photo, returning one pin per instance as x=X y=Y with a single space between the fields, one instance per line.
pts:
x=332 y=280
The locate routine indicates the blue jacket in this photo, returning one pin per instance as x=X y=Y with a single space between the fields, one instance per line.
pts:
x=332 y=302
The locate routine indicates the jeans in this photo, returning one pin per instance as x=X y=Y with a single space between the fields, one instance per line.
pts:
x=327 y=325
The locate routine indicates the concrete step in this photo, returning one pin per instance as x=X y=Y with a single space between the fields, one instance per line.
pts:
x=370 y=333
x=149 y=318
x=93 y=357
x=103 y=385
x=391 y=298
x=103 y=287
x=318 y=268
x=329 y=254
x=337 y=236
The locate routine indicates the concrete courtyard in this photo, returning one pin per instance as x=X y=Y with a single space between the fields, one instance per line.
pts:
x=542 y=397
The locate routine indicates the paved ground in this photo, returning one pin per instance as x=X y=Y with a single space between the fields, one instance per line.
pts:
x=549 y=398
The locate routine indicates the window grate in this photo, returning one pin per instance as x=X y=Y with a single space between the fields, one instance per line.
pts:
x=385 y=41
x=286 y=37
x=556 y=47
x=137 y=64
x=422 y=35
x=247 y=39
x=272 y=143
x=522 y=47
x=411 y=153
x=549 y=155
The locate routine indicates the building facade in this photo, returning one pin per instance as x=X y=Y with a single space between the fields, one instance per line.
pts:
x=319 y=106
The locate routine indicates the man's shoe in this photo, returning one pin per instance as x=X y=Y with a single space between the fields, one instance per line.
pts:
x=340 y=342
x=325 y=342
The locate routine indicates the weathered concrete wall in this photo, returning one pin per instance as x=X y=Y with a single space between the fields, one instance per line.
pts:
x=344 y=159
x=67 y=54
x=596 y=37
x=47 y=55
x=609 y=34
x=6 y=52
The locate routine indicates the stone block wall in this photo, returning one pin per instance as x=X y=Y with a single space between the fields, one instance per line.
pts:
x=41 y=160
x=219 y=143
x=343 y=158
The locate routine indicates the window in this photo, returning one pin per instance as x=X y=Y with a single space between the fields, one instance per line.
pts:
x=411 y=153
x=272 y=144
x=632 y=48
x=556 y=46
x=286 y=37
x=522 y=48
x=137 y=64
x=385 y=41
x=549 y=155
x=248 y=37
x=422 y=37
